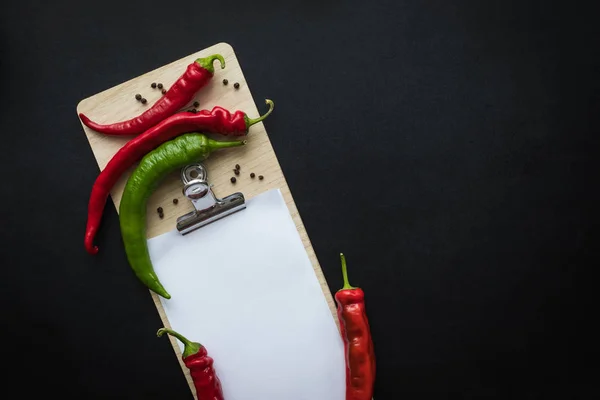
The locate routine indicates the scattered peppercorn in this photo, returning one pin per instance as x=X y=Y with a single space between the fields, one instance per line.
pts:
x=143 y=100
x=159 y=210
x=194 y=110
x=236 y=85
x=160 y=85
x=161 y=215
x=175 y=201
x=225 y=81
x=153 y=85
x=138 y=97
x=252 y=175
x=236 y=171
x=164 y=91
x=261 y=177
x=237 y=166
x=196 y=104
x=233 y=179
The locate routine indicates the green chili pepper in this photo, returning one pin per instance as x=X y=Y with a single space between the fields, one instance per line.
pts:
x=157 y=164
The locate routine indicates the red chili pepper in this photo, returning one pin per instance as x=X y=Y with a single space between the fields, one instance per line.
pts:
x=206 y=381
x=181 y=92
x=218 y=120
x=358 y=344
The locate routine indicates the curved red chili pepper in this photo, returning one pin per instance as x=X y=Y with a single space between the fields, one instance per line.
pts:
x=356 y=333
x=179 y=94
x=206 y=382
x=218 y=120
x=195 y=357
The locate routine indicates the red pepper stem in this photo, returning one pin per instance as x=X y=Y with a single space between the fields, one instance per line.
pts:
x=345 y=273
x=189 y=347
x=207 y=62
x=252 y=121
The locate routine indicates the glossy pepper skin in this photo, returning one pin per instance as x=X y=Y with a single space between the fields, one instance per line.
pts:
x=195 y=357
x=157 y=164
x=179 y=94
x=218 y=120
x=358 y=344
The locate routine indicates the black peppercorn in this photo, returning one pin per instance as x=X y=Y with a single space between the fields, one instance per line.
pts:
x=196 y=104
x=233 y=179
x=143 y=100
x=236 y=171
x=175 y=201
x=153 y=85
x=159 y=210
x=164 y=91
x=160 y=85
x=252 y=175
x=138 y=97
x=237 y=166
x=225 y=81
x=236 y=85
x=261 y=177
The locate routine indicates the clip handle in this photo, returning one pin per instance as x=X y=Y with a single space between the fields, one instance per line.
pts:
x=200 y=194
x=193 y=172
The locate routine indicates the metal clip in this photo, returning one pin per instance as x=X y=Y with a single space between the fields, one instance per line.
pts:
x=208 y=208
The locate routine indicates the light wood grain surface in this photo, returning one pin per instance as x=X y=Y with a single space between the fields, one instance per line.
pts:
x=118 y=104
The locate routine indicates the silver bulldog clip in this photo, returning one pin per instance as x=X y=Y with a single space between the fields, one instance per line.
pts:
x=208 y=208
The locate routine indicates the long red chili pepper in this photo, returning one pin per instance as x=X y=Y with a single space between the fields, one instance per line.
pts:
x=218 y=120
x=356 y=333
x=179 y=94
x=195 y=357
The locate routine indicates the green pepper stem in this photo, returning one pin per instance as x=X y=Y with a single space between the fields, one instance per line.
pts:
x=189 y=347
x=252 y=121
x=217 y=144
x=345 y=273
x=207 y=62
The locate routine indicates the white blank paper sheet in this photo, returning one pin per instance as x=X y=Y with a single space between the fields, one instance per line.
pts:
x=245 y=288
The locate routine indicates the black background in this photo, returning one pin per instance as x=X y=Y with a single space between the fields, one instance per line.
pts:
x=448 y=149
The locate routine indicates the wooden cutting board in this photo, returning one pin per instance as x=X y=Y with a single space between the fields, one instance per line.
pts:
x=118 y=103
